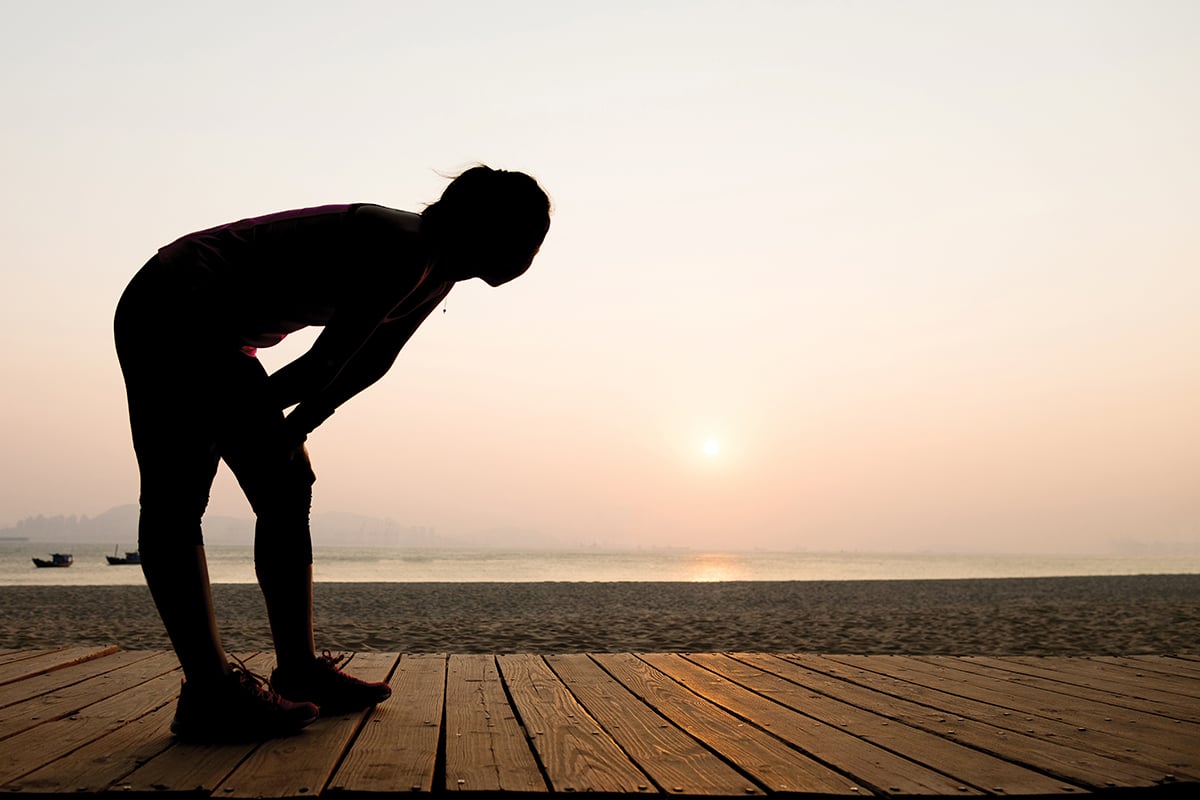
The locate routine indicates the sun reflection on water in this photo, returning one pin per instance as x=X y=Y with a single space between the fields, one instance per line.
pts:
x=714 y=567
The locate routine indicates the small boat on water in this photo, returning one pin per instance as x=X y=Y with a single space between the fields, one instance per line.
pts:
x=129 y=558
x=56 y=560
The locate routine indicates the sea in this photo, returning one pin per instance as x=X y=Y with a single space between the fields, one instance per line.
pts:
x=234 y=564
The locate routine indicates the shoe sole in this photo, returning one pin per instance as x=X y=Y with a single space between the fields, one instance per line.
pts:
x=226 y=736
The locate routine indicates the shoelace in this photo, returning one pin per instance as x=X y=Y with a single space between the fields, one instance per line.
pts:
x=251 y=680
x=330 y=660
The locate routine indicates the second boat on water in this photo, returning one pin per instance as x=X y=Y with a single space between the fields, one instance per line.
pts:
x=130 y=558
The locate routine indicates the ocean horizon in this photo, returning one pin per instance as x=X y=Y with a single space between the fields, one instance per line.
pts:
x=234 y=564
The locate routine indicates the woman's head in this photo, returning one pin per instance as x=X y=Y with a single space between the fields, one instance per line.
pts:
x=488 y=224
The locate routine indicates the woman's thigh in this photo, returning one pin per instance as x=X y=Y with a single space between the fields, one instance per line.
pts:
x=193 y=402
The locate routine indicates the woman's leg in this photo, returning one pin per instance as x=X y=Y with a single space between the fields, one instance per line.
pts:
x=287 y=590
x=176 y=477
x=176 y=388
x=177 y=462
x=218 y=702
x=283 y=560
x=178 y=582
x=277 y=479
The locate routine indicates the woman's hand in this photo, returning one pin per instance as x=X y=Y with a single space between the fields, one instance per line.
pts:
x=301 y=466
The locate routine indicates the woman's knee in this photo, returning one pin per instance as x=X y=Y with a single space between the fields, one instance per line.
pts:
x=283 y=537
x=164 y=526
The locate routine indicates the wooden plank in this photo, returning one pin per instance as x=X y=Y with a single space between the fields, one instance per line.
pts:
x=676 y=762
x=36 y=747
x=397 y=748
x=767 y=760
x=191 y=767
x=96 y=722
x=1160 y=665
x=939 y=750
x=1109 y=730
x=1017 y=696
x=1161 y=673
x=1107 y=681
x=50 y=661
x=58 y=680
x=1046 y=680
x=9 y=656
x=1143 y=674
x=301 y=765
x=574 y=750
x=486 y=748
x=1055 y=758
x=868 y=764
x=48 y=706
x=102 y=764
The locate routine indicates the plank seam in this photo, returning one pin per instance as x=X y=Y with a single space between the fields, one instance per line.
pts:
x=616 y=741
x=999 y=674
x=358 y=729
x=512 y=704
x=852 y=780
x=855 y=779
x=729 y=762
x=1049 y=718
x=439 y=758
x=1066 y=780
x=18 y=778
x=58 y=687
x=100 y=653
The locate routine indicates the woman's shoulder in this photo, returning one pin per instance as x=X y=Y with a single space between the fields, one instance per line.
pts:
x=387 y=257
x=382 y=219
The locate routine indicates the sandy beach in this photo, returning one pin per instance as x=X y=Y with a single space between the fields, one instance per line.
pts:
x=1157 y=614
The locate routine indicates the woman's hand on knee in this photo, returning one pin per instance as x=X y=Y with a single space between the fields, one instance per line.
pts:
x=301 y=466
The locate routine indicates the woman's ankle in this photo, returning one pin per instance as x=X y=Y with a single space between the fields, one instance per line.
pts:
x=207 y=678
x=297 y=660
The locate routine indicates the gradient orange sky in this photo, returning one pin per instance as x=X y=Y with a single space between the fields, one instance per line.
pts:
x=928 y=272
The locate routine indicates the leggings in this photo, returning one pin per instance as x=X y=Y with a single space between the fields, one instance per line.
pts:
x=196 y=397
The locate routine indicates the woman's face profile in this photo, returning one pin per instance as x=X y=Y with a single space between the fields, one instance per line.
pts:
x=495 y=259
x=501 y=271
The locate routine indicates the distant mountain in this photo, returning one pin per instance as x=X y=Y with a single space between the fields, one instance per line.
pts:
x=119 y=526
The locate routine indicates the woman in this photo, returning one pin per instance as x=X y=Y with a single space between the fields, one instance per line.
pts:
x=187 y=331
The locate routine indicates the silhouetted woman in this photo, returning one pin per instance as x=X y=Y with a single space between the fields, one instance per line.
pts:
x=187 y=330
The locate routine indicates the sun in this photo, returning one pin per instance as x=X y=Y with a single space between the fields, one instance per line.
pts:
x=711 y=447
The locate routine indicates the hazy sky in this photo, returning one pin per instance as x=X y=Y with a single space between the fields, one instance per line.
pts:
x=928 y=272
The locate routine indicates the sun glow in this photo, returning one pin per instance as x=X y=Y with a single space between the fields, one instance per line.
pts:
x=712 y=447
x=713 y=568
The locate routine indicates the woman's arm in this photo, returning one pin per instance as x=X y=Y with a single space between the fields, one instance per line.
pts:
x=337 y=345
x=370 y=362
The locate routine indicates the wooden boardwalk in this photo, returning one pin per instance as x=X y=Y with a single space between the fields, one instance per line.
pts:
x=714 y=724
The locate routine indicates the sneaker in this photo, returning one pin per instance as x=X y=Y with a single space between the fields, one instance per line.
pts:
x=242 y=707
x=333 y=691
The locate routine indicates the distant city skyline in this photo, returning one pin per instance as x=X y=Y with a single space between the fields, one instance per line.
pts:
x=343 y=529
